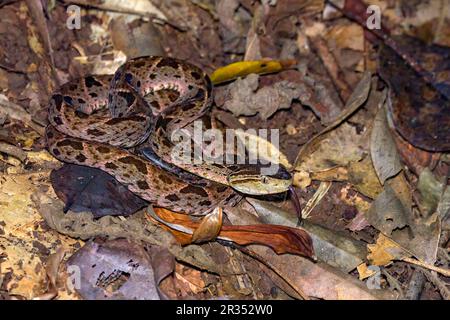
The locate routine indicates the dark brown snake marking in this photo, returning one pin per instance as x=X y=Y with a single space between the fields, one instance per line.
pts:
x=97 y=120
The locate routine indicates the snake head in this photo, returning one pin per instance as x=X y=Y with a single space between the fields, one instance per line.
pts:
x=257 y=180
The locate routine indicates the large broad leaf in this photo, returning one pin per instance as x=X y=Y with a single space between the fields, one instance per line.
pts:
x=90 y=189
x=419 y=103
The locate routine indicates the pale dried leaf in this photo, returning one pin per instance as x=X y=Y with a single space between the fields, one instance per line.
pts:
x=383 y=151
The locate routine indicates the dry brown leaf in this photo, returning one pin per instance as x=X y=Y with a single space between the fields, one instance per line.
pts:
x=387 y=212
x=246 y=100
x=24 y=243
x=362 y=175
x=383 y=151
x=335 y=249
x=347 y=36
x=189 y=280
x=326 y=156
x=315 y=279
x=280 y=238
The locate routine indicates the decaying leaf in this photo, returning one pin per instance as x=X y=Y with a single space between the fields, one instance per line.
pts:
x=333 y=149
x=391 y=214
x=421 y=238
x=388 y=212
x=356 y=100
x=383 y=151
x=363 y=177
x=414 y=158
x=419 y=101
x=358 y=223
x=120 y=269
x=325 y=157
x=431 y=190
x=25 y=240
x=330 y=247
x=141 y=40
x=364 y=271
x=384 y=251
x=246 y=100
x=315 y=279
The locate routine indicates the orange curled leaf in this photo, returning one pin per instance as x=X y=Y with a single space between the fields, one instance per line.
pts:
x=281 y=239
x=209 y=227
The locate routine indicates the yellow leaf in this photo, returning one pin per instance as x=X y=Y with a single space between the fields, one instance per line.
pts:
x=244 y=68
x=384 y=251
x=364 y=271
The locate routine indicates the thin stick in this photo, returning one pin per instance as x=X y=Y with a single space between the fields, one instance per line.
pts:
x=445 y=272
x=14 y=151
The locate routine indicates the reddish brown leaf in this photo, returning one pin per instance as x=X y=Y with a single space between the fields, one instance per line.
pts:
x=418 y=76
x=209 y=227
x=280 y=238
x=415 y=159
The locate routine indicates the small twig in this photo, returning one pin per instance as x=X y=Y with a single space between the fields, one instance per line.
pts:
x=37 y=13
x=445 y=272
x=14 y=151
x=9 y=69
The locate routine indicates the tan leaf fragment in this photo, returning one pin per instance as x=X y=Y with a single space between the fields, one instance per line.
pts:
x=209 y=227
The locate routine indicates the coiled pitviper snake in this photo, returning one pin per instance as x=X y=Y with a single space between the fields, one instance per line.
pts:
x=100 y=121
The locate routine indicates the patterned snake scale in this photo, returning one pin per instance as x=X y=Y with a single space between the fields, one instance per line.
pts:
x=100 y=121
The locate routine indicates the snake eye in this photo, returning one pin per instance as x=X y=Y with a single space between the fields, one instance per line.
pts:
x=264 y=180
